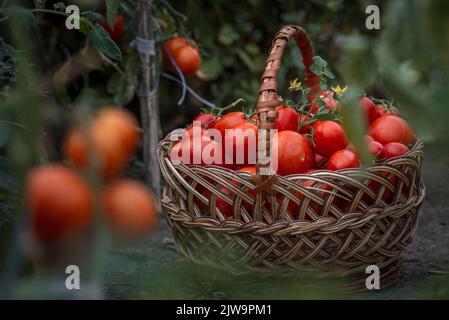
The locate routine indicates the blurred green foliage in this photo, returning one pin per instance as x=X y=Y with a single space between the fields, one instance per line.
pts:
x=406 y=61
x=235 y=37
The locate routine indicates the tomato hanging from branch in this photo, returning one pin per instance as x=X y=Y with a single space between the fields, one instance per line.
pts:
x=184 y=53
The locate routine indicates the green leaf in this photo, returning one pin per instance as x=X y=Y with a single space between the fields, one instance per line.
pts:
x=5 y=131
x=212 y=68
x=328 y=73
x=319 y=61
x=104 y=44
x=112 y=7
x=92 y=16
x=316 y=69
x=85 y=26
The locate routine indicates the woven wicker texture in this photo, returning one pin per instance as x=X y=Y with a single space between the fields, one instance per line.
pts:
x=331 y=222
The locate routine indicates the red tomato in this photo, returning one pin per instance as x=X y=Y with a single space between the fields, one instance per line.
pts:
x=368 y=108
x=171 y=46
x=111 y=137
x=130 y=208
x=343 y=159
x=244 y=148
x=380 y=111
x=391 y=128
x=239 y=137
x=287 y=119
x=207 y=120
x=59 y=201
x=229 y=121
x=185 y=54
x=376 y=149
x=395 y=149
x=329 y=137
x=199 y=151
x=188 y=60
x=117 y=30
x=294 y=153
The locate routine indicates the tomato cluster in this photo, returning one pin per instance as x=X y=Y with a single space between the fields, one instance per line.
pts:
x=303 y=143
x=184 y=52
x=61 y=202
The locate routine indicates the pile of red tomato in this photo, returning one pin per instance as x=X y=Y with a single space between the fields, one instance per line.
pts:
x=304 y=144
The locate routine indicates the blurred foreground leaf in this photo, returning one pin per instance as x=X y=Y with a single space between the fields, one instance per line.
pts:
x=104 y=44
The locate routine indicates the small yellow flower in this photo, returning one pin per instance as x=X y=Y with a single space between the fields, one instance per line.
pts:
x=340 y=91
x=295 y=85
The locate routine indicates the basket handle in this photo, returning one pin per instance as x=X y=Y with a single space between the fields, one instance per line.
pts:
x=268 y=98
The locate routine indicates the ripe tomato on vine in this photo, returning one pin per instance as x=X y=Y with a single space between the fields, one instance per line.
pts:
x=184 y=53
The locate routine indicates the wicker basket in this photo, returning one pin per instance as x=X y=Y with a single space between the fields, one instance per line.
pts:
x=343 y=221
